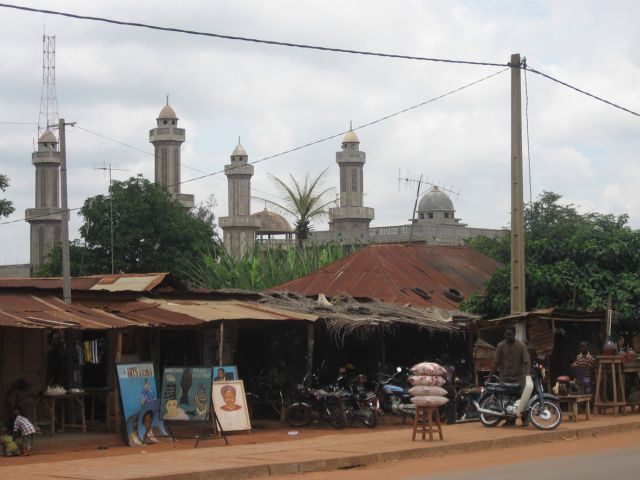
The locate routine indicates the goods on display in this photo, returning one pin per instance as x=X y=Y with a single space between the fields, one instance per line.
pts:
x=186 y=393
x=427 y=380
x=422 y=391
x=428 y=368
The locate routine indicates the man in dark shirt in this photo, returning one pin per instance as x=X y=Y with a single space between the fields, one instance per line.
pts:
x=512 y=361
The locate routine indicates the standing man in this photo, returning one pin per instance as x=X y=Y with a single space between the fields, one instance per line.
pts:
x=584 y=368
x=512 y=361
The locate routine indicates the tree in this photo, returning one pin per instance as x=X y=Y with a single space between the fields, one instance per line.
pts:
x=303 y=201
x=573 y=260
x=151 y=232
x=6 y=206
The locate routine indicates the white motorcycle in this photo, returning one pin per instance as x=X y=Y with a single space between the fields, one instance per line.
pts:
x=503 y=401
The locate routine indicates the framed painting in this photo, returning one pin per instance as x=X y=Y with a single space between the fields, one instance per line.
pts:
x=186 y=393
x=224 y=373
x=230 y=405
x=140 y=404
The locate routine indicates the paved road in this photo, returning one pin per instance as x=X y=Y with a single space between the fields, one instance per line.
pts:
x=614 y=464
x=592 y=457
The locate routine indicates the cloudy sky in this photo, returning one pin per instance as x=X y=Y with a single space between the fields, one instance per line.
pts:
x=112 y=80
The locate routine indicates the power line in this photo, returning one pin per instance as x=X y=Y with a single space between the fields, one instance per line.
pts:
x=306 y=145
x=526 y=115
x=581 y=91
x=247 y=39
x=386 y=117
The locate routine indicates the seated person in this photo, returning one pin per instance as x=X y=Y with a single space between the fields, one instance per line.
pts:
x=584 y=369
x=9 y=445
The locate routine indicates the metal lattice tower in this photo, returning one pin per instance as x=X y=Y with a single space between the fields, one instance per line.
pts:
x=48 y=118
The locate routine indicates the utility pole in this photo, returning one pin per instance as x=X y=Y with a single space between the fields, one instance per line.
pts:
x=64 y=233
x=518 y=302
x=111 y=205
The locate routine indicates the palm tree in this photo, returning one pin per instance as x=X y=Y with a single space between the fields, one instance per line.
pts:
x=303 y=201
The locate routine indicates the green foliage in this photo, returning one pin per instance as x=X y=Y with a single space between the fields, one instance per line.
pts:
x=151 y=232
x=303 y=201
x=6 y=206
x=573 y=260
x=260 y=269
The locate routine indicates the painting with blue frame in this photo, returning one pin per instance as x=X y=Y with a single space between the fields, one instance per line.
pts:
x=140 y=405
x=186 y=393
x=225 y=373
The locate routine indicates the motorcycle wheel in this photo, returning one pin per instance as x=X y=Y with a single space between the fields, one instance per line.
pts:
x=547 y=419
x=337 y=417
x=298 y=415
x=490 y=403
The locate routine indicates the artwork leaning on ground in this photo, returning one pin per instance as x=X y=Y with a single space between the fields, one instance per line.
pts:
x=186 y=393
x=230 y=405
x=140 y=404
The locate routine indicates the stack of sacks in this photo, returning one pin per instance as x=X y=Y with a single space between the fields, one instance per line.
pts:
x=427 y=381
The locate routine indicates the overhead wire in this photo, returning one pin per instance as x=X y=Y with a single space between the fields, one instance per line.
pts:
x=526 y=116
x=245 y=39
x=584 y=92
x=309 y=144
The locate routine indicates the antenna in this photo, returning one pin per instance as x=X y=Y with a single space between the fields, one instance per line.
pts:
x=411 y=182
x=48 y=117
x=108 y=168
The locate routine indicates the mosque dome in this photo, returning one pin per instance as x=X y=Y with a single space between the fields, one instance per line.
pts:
x=48 y=137
x=239 y=150
x=272 y=223
x=350 y=137
x=167 y=112
x=435 y=200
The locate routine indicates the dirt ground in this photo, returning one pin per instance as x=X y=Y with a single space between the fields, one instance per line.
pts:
x=73 y=446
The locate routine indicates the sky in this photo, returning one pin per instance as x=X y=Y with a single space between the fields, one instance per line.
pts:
x=113 y=80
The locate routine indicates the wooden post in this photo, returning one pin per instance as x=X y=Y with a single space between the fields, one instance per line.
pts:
x=117 y=357
x=310 y=345
x=517 y=204
x=221 y=343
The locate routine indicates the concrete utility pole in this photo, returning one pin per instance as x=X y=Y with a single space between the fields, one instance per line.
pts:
x=518 y=303
x=64 y=234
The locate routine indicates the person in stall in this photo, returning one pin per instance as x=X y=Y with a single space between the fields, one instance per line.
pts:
x=584 y=368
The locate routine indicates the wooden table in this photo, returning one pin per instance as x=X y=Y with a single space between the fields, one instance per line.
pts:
x=573 y=401
x=104 y=395
x=630 y=369
x=49 y=401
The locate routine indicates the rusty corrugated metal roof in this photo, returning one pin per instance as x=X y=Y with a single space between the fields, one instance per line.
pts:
x=122 y=282
x=37 y=310
x=392 y=272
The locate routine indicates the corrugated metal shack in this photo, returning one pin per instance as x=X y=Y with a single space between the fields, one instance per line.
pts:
x=416 y=275
x=145 y=317
x=553 y=334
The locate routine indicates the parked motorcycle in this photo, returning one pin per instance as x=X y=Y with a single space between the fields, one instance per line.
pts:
x=358 y=400
x=316 y=404
x=503 y=401
x=466 y=394
x=393 y=392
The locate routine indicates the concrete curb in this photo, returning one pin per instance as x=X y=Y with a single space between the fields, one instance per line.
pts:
x=428 y=450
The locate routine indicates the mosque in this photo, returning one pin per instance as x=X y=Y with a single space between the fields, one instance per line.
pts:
x=349 y=220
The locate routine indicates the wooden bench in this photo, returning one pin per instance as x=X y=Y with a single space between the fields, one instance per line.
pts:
x=424 y=422
x=573 y=401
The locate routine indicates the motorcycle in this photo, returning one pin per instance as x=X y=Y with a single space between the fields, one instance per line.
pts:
x=358 y=400
x=393 y=392
x=503 y=401
x=316 y=404
x=466 y=394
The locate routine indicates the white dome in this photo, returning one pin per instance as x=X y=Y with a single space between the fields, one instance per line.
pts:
x=239 y=150
x=48 y=137
x=435 y=200
x=167 y=112
x=350 y=137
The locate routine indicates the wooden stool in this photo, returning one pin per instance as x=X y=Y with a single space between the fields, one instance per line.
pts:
x=423 y=422
x=573 y=401
x=612 y=365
